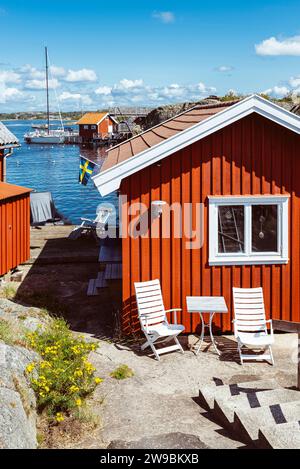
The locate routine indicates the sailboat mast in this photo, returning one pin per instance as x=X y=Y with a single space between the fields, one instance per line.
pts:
x=47 y=89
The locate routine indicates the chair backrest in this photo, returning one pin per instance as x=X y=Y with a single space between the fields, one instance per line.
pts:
x=150 y=304
x=249 y=309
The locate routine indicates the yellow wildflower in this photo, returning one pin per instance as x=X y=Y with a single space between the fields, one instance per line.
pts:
x=74 y=388
x=59 y=417
x=98 y=380
x=30 y=367
x=45 y=364
x=78 y=402
x=78 y=373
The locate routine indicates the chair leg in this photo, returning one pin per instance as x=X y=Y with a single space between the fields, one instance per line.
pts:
x=179 y=344
x=271 y=355
x=240 y=353
x=145 y=345
x=154 y=351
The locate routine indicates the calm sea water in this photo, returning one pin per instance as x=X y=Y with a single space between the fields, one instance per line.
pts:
x=55 y=168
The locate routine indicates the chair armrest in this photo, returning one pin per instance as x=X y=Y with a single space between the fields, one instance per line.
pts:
x=86 y=219
x=174 y=310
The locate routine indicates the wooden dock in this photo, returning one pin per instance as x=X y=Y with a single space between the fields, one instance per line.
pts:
x=57 y=275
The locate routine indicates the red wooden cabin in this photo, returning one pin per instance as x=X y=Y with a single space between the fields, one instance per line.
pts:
x=96 y=123
x=14 y=212
x=242 y=162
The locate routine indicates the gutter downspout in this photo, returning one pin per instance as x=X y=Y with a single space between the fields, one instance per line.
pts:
x=6 y=155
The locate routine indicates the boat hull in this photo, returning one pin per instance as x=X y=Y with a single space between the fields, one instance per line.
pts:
x=50 y=140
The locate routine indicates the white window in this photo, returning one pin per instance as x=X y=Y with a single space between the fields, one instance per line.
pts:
x=93 y=127
x=248 y=230
x=86 y=127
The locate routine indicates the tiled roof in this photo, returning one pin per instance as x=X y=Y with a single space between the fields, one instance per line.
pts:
x=161 y=132
x=92 y=118
x=10 y=190
x=7 y=138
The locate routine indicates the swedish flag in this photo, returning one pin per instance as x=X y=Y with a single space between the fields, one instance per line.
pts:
x=86 y=168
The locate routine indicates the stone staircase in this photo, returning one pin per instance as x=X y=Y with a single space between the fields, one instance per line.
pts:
x=110 y=265
x=259 y=413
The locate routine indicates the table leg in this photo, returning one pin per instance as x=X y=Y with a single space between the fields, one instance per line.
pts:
x=211 y=334
x=203 y=325
x=201 y=338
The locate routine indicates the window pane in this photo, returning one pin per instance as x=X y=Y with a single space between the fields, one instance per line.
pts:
x=231 y=228
x=264 y=228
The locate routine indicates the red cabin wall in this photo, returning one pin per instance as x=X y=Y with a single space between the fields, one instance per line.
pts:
x=14 y=232
x=88 y=134
x=251 y=156
x=1 y=165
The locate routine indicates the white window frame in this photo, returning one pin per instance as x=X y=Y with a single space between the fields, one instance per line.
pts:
x=93 y=127
x=248 y=257
x=86 y=127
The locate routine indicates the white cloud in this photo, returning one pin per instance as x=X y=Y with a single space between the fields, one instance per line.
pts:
x=75 y=97
x=224 y=68
x=129 y=84
x=9 y=94
x=294 y=81
x=104 y=90
x=41 y=84
x=273 y=46
x=31 y=72
x=132 y=91
x=277 y=91
x=8 y=76
x=164 y=16
x=57 y=71
x=84 y=74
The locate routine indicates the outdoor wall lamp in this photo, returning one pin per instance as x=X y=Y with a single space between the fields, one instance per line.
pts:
x=157 y=207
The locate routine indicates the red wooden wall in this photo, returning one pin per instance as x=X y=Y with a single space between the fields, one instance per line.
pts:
x=251 y=156
x=1 y=165
x=14 y=231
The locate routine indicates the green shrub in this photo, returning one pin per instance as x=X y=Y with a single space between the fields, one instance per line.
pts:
x=64 y=377
x=122 y=372
x=8 y=292
x=6 y=333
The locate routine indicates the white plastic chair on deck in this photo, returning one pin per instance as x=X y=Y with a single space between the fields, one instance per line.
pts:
x=250 y=324
x=153 y=319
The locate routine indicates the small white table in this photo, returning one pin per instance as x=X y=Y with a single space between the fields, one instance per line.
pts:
x=206 y=304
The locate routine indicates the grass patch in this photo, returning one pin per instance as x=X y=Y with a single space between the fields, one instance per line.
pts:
x=45 y=300
x=64 y=377
x=122 y=372
x=8 y=292
x=6 y=332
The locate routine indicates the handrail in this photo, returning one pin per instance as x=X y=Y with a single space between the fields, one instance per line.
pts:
x=290 y=326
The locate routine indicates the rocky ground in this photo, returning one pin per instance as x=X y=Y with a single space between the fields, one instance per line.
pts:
x=157 y=407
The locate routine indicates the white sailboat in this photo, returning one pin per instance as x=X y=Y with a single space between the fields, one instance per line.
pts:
x=46 y=135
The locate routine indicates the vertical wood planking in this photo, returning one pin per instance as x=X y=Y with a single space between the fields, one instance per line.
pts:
x=252 y=156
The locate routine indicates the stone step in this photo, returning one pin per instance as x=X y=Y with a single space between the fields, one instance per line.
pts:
x=284 y=436
x=226 y=407
x=110 y=254
x=247 y=423
x=113 y=272
x=92 y=288
x=210 y=392
x=100 y=280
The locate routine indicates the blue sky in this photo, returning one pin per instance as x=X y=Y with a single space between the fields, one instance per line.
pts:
x=146 y=53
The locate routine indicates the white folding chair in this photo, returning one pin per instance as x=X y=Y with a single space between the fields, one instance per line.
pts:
x=153 y=319
x=250 y=324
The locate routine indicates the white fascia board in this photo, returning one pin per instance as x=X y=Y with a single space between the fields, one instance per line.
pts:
x=109 y=180
x=105 y=115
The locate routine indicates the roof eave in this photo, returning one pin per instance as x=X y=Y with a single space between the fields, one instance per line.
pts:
x=6 y=146
x=109 y=180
